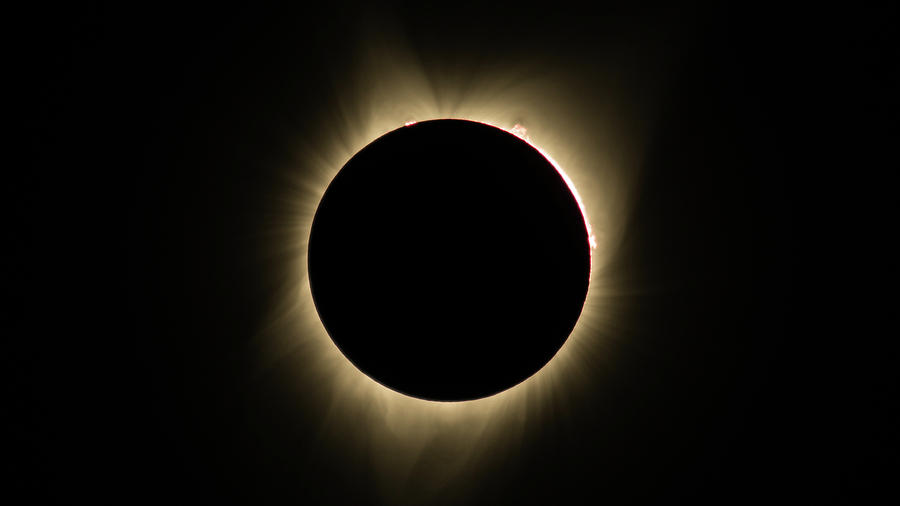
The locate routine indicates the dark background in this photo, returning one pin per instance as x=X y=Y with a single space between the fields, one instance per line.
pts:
x=135 y=287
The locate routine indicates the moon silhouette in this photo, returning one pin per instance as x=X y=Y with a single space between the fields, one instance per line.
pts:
x=449 y=260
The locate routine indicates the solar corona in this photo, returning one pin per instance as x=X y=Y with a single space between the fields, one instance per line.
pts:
x=447 y=255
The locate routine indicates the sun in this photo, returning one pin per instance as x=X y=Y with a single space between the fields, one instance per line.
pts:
x=446 y=196
x=353 y=384
x=598 y=164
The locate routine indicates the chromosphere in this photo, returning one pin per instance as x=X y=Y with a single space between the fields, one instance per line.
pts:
x=449 y=260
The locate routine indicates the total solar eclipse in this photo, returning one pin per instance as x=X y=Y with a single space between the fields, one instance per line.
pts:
x=449 y=260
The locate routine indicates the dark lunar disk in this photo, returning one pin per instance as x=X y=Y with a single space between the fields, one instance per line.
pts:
x=449 y=260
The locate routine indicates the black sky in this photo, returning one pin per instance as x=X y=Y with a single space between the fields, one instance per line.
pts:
x=150 y=140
